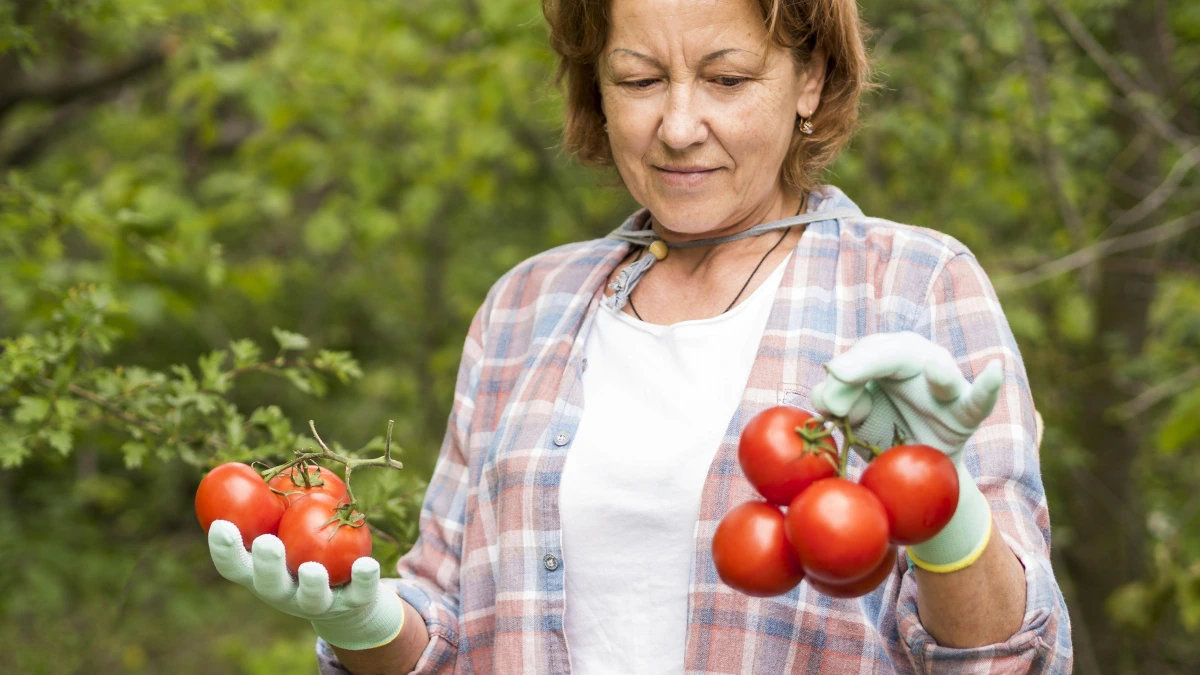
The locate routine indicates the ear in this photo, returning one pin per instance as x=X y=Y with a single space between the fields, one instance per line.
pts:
x=812 y=81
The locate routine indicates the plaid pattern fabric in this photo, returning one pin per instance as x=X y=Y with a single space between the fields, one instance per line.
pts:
x=487 y=571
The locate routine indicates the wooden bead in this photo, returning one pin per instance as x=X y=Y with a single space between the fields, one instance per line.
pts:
x=658 y=248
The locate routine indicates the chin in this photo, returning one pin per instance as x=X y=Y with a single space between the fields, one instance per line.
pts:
x=691 y=214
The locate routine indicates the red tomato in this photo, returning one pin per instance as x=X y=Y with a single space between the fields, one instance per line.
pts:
x=235 y=492
x=308 y=537
x=838 y=529
x=320 y=479
x=752 y=553
x=918 y=487
x=778 y=460
x=864 y=585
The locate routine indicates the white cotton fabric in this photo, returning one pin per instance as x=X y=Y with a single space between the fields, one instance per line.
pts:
x=658 y=401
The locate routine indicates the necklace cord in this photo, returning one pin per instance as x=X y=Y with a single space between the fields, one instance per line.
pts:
x=739 y=293
x=803 y=203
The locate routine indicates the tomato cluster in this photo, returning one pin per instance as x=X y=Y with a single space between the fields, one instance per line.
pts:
x=308 y=509
x=839 y=535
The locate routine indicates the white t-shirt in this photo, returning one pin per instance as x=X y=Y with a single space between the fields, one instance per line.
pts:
x=657 y=402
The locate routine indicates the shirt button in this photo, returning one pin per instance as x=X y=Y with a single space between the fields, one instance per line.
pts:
x=550 y=562
x=585 y=364
x=561 y=438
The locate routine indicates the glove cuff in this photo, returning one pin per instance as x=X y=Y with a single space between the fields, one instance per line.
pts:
x=380 y=624
x=964 y=538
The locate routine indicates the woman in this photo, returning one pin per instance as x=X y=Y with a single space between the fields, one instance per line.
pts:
x=591 y=449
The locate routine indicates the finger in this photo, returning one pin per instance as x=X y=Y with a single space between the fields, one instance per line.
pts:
x=882 y=355
x=314 y=596
x=837 y=398
x=979 y=401
x=229 y=554
x=271 y=579
x=364 y=582
x=945 y=380
x=860 y=408
x=817 y=398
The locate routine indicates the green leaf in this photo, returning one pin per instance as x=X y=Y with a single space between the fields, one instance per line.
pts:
x=1188 y=595
x=1136 y=606
x=298 y=380
x=134 y=453
x=59 y=439
x=13 y=451
x=205 y=403
x=325 y=232
x=271 y=418
x=212 y=375
x=288 y=340
x=31 y=409
x=67 y=409
x=1182 y=424
x=235 y=430
x=245 y=353
x=341 y=364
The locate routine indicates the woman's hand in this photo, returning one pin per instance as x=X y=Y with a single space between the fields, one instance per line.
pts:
x=891 y=382
x=902 y=381
x=359 y=615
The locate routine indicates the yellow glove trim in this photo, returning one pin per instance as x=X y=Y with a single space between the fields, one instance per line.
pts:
x=961 y=564
x=393 y=637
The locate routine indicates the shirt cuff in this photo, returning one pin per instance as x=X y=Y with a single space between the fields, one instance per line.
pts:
x=439 y=621
x=1041 y=645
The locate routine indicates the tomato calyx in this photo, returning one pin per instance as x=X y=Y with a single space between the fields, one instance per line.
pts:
x=308 y=475
x=344 y=515
x=304 y=475
x=815 y=434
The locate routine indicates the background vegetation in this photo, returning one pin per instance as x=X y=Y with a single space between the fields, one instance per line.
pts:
x=220 y=219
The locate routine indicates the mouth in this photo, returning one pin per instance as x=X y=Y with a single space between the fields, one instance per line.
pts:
x=685 y=176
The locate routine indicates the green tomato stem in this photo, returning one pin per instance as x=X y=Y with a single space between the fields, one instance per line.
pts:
x=850 y=442
x=306 y=459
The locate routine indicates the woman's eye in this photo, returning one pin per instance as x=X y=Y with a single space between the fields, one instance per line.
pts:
x=729 y=82
x=640 y=84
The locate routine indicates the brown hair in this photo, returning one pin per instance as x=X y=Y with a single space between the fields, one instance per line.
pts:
x=579 y=30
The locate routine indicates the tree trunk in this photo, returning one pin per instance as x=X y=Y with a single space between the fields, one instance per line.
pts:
x=1105 y=508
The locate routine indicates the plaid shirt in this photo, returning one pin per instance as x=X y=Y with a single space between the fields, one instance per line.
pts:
x=487 y=570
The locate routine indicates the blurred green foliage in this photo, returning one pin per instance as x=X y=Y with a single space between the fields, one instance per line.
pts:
x=221 y=219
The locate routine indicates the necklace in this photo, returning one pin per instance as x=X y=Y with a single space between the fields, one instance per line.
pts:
x=631 y=274
x=799 y=210
x=739 y=293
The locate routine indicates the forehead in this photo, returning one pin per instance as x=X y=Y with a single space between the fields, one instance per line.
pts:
x=666 y=28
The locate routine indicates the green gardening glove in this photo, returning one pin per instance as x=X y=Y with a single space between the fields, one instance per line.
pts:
x=359 y=615
x=889 y=382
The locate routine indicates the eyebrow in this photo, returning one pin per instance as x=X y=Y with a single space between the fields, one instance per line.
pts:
x=706 y=59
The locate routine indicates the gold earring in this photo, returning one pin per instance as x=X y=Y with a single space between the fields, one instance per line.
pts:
x=805 y=126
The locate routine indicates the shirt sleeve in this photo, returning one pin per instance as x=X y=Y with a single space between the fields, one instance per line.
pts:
x=429 y=573
x=963 y=314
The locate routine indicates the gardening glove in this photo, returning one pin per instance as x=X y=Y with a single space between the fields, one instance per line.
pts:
x=901 y=382
x=359 y=615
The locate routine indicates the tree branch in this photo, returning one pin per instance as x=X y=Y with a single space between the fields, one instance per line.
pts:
x=1160 y=194
x=1119 y=77
x=101 y=402
x=33 y=143
x=79 y=85
x=1051 y=159
x=1100 y=249
x=1159 y=392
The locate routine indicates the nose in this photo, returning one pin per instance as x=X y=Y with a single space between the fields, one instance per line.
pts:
x=682 y=124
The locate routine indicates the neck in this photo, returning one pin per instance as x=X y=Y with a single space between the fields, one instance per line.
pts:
x=693 y=258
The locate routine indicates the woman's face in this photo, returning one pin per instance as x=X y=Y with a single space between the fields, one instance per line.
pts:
x=700 y=108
